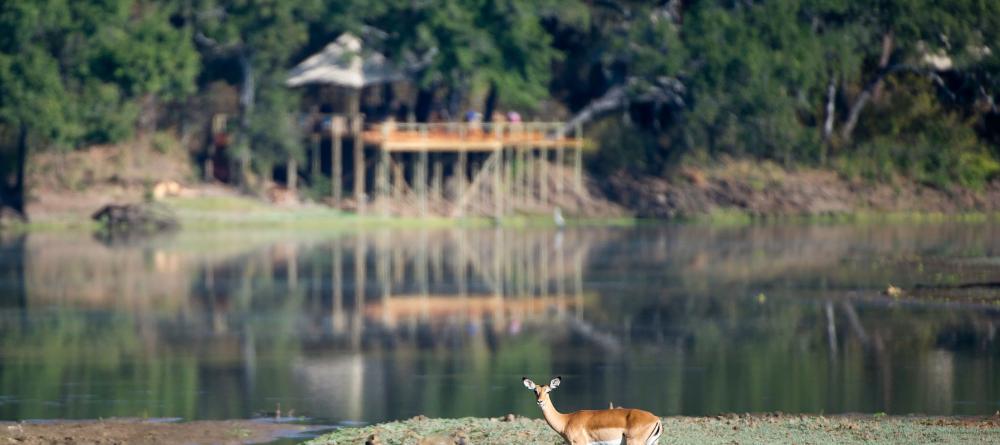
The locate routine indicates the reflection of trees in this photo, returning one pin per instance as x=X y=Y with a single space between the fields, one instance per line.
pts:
x=71 y=364
x=12 y=286
x=356 y=323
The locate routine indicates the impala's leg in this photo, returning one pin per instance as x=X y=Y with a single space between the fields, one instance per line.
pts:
x=654 y=433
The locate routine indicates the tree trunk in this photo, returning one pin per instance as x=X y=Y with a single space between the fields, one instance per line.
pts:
x=491 y=103
x=246 y=88
x=873 y=90
x=855 y=113
x=247 y=103
x=831 y=109
x=425 y=103
x=147 y=114
x=15 y=193
x=888 y=41
x=613 y=99
x=291 y=175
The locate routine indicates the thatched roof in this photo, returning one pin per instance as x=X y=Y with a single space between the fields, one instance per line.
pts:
x=344 y=63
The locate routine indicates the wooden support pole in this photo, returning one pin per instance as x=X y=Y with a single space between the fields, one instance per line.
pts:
x=315 y=139
x=578 y=158
x=560 y=163
x=497 y=177
x=292 y=176
x=508 y=179
x=315 y=142
x=383 y=171
x=437 y=183
x=521 y=178
x=422 y=173
x=359 y=162
x=337 y=157
x=543 y=174
x=460 y=168
x=398 y=181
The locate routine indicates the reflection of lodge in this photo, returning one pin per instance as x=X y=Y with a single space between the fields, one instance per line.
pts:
x=467 y=307
x=449 y=280
x=371 y=287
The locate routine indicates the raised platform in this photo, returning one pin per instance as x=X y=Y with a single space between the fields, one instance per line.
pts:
x=470 y=137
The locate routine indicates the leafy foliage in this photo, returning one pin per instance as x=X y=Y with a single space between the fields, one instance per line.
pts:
x=841 y=82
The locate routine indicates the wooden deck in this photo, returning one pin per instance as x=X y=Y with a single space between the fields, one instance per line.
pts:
x=509 y=163
x=471 y=137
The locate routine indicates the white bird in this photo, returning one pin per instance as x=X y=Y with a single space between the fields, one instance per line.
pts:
x=558 y=218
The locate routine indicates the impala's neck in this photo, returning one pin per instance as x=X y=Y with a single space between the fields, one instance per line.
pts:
x=554 y=418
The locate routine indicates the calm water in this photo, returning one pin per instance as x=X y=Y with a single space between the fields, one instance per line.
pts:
x=365 y=327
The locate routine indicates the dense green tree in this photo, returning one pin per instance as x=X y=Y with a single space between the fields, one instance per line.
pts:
x=495 y=45
x=260 y=36
x=70 y=73
x=874 y=87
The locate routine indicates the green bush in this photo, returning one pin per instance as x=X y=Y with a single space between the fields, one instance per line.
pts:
x=911 y=134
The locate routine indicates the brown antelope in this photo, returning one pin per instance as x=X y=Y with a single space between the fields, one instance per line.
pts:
x=597 y=427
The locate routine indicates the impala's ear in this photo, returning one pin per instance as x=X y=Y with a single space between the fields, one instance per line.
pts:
x=555 y=383
x=528 y=383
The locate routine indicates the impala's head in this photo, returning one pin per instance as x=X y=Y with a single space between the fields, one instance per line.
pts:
x=541 y=391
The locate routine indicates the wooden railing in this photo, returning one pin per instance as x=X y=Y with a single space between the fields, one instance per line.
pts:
x=472 y=136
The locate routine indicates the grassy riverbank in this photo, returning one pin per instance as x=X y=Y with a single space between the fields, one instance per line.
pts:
x=240 y=212
x=726 y=429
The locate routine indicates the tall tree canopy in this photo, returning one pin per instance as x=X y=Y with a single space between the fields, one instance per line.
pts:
x=872 y=87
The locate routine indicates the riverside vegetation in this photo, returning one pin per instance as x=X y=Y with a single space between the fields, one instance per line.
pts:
x=896 y=92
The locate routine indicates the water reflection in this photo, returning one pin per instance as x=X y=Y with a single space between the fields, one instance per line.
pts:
x=387 y=324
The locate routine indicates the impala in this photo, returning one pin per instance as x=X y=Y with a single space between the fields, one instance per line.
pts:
x=597 y=427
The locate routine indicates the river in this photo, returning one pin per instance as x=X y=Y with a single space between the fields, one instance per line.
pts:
x=368 y=326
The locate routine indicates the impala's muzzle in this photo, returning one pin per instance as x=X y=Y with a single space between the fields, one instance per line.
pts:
x=541 y=403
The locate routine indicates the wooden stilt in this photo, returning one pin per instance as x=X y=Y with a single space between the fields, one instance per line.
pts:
x=422 y=176
x=437 y=183
x=498 y=183
x=336 y=156
x=521 y=178
x=529 y=175
x=292 y=175
x=508 y=179
x=560 y=163
x=383 y=172
x=315 y=139
x=578 y=158
x=543 y=175
x=398 y=181
x=359 y=162
x=460 y=168
x=315 y=142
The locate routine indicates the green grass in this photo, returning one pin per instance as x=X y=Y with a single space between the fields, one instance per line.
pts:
x=245 y=212
x=238 y=212
x=736 y=217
